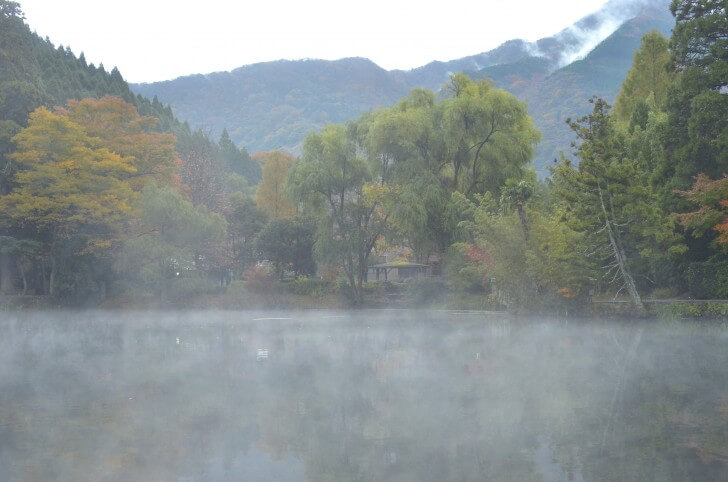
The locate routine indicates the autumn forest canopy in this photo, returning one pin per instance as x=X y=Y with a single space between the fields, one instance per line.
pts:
x=107 y=198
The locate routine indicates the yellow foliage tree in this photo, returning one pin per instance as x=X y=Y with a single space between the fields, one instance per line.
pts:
x=118 y=126
x=270 y=195
x=67 y=185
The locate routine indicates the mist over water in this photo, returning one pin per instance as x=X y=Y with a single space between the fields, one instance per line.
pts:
x=368 y=396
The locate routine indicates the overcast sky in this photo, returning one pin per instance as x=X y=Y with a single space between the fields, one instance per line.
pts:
x=151 y=40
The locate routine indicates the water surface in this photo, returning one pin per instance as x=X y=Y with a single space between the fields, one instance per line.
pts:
x=375 y=396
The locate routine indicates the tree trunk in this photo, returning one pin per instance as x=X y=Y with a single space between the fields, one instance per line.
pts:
x=620 y=258
x=52 y=277
x=6 y=279
x=43 y=277
x=524 y=220
x=21 y=269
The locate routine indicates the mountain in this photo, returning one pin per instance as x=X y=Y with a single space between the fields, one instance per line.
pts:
x=554 y=97
x=274 y=105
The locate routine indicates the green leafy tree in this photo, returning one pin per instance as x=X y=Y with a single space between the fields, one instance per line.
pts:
x=331 y=176
x=25 y=252
x=405 y=150
x=488 y=133
x=700 y=39
x=167 y=241
x=288 y=244
x=245 y=220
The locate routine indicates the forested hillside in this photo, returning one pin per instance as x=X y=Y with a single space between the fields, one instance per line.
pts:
x=275 y=105
x=33 y=73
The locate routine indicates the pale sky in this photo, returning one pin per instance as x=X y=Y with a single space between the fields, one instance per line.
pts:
x=150 y=40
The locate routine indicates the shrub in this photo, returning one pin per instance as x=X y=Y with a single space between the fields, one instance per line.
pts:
x=310 y=287
x=237 y=287
x=181 y=289
x=425 y=291
x=260 y=280
x=708 y=279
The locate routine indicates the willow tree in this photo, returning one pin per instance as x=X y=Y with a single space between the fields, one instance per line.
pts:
x=426 y=150
x=333 y=178
x=489 y=135
x=404 y=147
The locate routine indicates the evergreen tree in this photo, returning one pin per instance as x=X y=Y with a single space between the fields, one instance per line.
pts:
x=648 y=76
x=696 y=133
x=607 y=197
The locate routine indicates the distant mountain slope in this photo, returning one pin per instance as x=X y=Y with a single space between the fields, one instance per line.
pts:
x=274 y=105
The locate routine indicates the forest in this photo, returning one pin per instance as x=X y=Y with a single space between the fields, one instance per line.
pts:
x=106 y=199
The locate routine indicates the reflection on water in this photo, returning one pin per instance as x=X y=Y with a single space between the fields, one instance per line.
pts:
x=372 y=397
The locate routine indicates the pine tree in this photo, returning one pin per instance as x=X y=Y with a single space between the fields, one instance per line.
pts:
x=607 y=197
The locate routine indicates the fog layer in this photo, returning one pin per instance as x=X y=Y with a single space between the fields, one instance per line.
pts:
x=380 y=396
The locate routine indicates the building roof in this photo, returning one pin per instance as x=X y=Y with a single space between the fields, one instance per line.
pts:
x=399 y=264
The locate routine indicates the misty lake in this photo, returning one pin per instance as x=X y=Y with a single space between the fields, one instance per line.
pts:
x=372 y=396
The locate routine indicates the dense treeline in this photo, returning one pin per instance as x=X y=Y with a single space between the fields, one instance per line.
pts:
x=643 y=213
x=110 y=192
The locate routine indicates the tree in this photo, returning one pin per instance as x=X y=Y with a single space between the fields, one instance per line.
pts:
x=237 y=160
x=67 y=187
x=405 y=151
x=489 y=135
x=24 y=251
x=711 y=196
x=202 y=172
x=271 y=193
x=332 y=177
x=119 y=127
x=608 y=199
x=424 y=150
x=245 y=220
x=649 y=76
x=288 y=244
x=700 y=40
x=516 y=194
x=10 y=9
x=167 y=239
x=523 y=271
x=695 y=137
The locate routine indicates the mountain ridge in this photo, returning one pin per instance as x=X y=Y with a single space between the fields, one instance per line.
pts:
x=274 y=105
